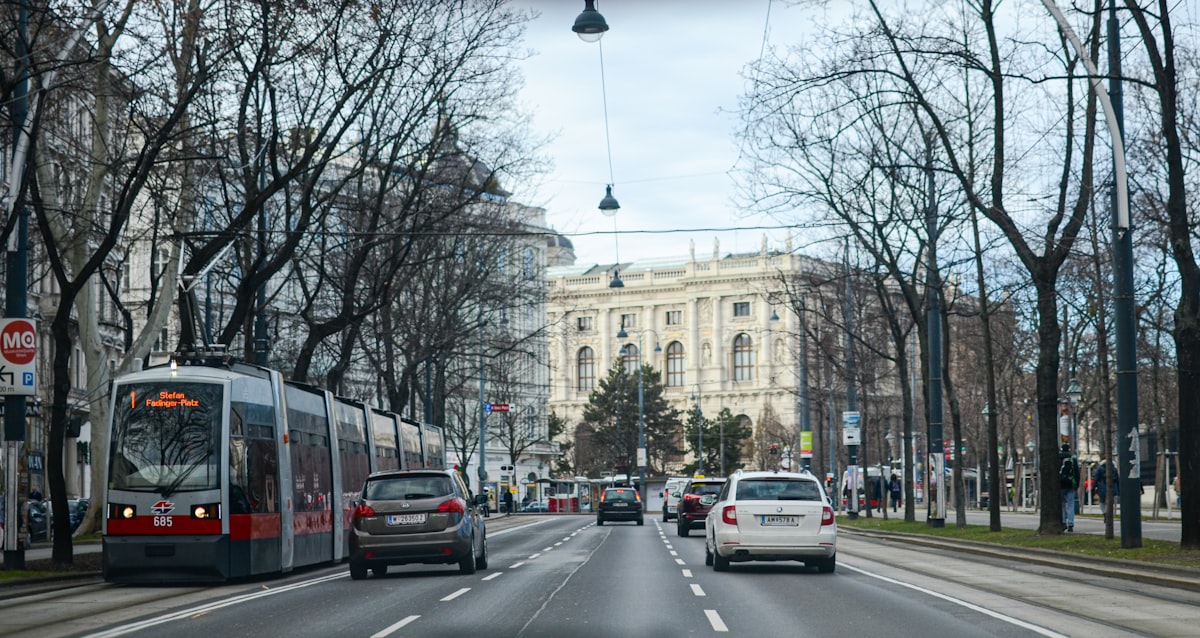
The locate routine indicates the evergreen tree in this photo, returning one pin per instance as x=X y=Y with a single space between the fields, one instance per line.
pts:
x=726 y=428
x=612 y=414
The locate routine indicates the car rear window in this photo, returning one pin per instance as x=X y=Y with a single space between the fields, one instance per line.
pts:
x=405 y=488
x=704 y=488
x=778 y=490
x=619 y=495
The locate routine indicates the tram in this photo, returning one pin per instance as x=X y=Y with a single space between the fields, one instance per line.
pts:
x=221 y=469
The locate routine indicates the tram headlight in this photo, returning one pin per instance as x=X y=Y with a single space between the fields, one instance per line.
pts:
x=206 y=511
x=121 y=511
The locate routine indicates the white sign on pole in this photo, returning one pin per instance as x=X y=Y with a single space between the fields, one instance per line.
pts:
x=851 y=428
x=18 y=351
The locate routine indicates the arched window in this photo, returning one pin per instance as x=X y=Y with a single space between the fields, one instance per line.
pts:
x=587 y=369
x=675 y=366
x=743 y=358
x=631 y=357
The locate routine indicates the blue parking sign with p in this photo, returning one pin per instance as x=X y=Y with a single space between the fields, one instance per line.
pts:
x=27 y=379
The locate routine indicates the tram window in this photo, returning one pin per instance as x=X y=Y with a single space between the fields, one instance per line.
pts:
x=259 y=431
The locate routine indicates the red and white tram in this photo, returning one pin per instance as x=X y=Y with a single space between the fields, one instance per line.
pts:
x=220 y=469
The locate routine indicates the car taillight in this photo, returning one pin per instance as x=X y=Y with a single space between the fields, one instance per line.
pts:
x=363 y=510
x=729 y=514
x=826 y=516
x=691 y=497
x=452 y=505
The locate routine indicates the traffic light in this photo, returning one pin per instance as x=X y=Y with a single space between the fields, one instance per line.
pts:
x=773 y=449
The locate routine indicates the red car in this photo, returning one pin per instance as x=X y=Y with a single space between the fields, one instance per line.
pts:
x=695 y=499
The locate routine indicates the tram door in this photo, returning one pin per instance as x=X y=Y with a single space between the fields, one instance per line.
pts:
x=311 y=450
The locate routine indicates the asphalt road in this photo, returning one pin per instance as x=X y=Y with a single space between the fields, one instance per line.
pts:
x=563 y=576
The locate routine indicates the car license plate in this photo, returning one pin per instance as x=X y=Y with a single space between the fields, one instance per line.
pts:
x=406 y=519
x=780 y=521
x=620 y=504
x=670 y=509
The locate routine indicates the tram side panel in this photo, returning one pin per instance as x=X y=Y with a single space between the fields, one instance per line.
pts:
x=434 y=446
x=411 y=456
x=255 y=531
x=350 y=418
x=311 y=452
x=385 y=449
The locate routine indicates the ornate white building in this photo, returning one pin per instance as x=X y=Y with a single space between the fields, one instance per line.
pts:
x=728 y=339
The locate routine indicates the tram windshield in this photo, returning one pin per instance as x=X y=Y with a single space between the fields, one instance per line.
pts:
x=166 y=437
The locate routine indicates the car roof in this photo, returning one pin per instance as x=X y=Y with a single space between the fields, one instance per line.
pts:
x=400 y=473
x=757 y=474
x=708 y=480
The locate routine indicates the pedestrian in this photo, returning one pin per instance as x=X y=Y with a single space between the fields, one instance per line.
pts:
x=895 y=487
x=1100 y=480
x=508 y=502
x=1068 y=483
x=35 y=495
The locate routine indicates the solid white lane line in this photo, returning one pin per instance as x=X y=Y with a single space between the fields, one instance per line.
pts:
x=687 y=573
x=207 y=607
x=987 y=612
x=456 y=594
x=393 y=628
x=714 y=619
x=493 y=576
x=697 y=591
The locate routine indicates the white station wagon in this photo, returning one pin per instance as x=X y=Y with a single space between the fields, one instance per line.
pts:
x=771 y=516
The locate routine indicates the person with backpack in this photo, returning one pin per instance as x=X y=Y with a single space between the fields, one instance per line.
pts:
x=1068 y=483
x=896 y=488
x=1101 y=482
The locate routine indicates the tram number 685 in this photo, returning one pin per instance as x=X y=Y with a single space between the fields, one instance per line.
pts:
x=162 y=521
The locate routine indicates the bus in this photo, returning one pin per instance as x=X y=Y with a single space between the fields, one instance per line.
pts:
x=220 y=469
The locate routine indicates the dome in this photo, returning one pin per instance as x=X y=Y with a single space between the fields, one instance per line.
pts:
x=558 y=241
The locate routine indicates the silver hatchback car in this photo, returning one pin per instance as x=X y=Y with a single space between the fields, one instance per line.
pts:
x=771 y=516
x=419 y=516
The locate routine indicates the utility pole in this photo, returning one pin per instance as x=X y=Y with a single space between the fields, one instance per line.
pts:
x=16 y=299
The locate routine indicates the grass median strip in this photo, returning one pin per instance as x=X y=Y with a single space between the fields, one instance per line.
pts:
x=1152 y=551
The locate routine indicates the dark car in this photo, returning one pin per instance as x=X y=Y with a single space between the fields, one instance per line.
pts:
x=695 y=499
x=620 y=504
x=420 y=516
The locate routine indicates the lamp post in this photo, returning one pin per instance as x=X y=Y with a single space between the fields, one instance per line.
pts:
x=641 y=451
x=699 y=431
x=1123 y=302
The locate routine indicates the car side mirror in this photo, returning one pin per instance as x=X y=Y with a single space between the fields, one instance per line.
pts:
x=481 y=499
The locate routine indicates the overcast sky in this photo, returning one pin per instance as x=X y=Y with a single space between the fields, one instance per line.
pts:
x=672 y=77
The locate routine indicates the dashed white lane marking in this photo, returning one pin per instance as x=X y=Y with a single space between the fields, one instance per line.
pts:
x=546 y=549
x=697 y=591
x=680 y=561
x=558 y=543
x=516 y=565
x=674 y=553
x=493 y=576
x=533 y=556
x=687 y=573
x=393 y=628
x=997 y=615
x=456 y=594
x=714 y=619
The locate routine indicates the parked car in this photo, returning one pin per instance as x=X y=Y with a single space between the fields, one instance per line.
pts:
x=417 y=516
x=695 y=499
x=670 y=497
x=771 y=516
x=39 y=521
x=620 y=504
x=536 y=506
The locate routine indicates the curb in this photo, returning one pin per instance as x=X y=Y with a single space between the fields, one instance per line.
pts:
x=1163 y=575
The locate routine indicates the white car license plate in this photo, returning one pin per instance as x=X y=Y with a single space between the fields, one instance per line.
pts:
x=406 y=519
x=620 y=504
x=670 y=509
x=780 y=521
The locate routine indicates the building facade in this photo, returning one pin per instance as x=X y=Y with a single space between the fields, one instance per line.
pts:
x=727 y=338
